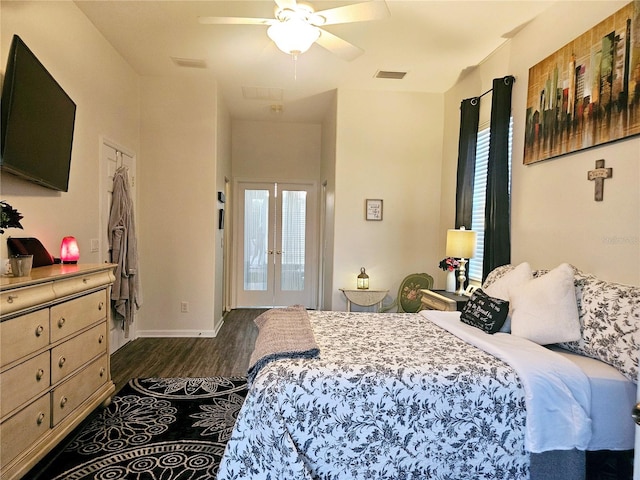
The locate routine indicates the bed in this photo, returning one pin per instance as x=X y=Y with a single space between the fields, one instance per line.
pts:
x=416 y=409
x=421 y=396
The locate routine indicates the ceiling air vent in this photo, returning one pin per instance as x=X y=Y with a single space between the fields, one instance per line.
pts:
x=263 y=93
x=189 y=62
x=390 y=74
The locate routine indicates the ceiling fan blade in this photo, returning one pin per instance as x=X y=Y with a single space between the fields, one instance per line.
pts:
x=235 y=21
x=286 y=4
x=338 y=46
x=358 y=12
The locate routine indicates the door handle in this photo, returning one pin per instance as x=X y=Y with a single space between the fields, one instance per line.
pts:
x=270 y=252
x=279 y=252
x=635 y=413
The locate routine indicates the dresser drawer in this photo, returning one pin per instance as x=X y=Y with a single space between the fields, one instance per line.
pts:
x=23 y=335
x=82 y=283
x=70 y=394
x=17 y=299
x=24 y=382
x=23 y=429
x=69 y=317
x=75 y=352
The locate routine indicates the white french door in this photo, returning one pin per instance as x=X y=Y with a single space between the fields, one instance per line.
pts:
x=276 y=246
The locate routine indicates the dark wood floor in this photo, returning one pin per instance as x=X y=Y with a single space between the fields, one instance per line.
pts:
x=225 y=355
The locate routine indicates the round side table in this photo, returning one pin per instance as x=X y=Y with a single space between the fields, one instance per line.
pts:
x=364 y=298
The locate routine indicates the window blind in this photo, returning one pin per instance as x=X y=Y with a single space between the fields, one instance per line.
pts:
x=479 y=197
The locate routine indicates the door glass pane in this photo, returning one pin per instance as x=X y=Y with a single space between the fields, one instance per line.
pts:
x=256 y=231
x=294 y=209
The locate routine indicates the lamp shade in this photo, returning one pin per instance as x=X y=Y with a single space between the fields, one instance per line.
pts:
x=460 y=243
x=69 y=251
x=294 y=36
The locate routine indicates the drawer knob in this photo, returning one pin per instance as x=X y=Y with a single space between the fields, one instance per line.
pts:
x=85 y=280
x=100 y=338
x=102 y=372
x=61 y=362
x=11 y=298
x=39 y=330
x=61 y=322
x=100 y=305
x=63 y=402
x=40 y=418
x=39 y=374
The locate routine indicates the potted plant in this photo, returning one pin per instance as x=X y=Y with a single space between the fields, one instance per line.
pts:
x=9 y=217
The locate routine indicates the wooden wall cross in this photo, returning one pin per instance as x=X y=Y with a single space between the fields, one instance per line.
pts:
x=599 y=174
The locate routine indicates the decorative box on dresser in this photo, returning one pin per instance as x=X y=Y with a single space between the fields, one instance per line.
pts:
x=54 y=358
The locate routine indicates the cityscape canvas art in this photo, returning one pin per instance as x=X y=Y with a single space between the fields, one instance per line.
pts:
x=588 y=92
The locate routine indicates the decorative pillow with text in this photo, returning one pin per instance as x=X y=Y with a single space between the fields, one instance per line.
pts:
x=485 y=312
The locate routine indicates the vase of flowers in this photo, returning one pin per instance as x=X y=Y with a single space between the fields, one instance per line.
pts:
x=450 y=265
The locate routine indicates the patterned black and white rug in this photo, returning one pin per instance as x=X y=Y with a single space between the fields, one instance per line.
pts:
x=155 y=428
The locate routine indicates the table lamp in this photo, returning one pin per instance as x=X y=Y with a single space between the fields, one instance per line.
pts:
x=461 y=244
x=69 y=251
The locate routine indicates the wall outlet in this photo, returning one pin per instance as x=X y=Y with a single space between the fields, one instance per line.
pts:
x=184 y=307
x=95 y=245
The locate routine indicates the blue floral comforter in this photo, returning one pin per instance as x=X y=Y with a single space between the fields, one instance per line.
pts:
x=392 y=396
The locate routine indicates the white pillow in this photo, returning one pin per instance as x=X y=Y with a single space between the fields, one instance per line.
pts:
x=545 y=310
x=503 y=286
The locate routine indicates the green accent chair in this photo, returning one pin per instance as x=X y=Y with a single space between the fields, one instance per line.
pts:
x=409 y=295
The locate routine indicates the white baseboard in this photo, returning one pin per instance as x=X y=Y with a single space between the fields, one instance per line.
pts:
x=175 y=333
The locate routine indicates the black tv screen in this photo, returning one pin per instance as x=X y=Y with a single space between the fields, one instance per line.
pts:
x=37 y=121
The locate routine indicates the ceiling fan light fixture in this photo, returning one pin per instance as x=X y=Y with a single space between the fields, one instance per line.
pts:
x=294 y=36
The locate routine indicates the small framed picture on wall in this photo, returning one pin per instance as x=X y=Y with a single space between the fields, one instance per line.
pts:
x=373 y=209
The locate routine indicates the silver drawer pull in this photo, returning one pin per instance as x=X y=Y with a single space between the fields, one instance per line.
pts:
x=100 y=338
x=11 y=298
x=63 y=402
x=61 y=362
x=61 y=322
x=39 y=374
x=39 y=330
x=100 y=305
x=40 y=418
x=102 y=372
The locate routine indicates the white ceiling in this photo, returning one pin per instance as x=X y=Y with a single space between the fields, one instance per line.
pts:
x=433 y=41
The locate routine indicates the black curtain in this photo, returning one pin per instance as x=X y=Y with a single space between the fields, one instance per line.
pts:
x=469 y=118
x=497 y=228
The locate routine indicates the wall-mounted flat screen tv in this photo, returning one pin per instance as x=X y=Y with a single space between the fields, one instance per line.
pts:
x=37 y=121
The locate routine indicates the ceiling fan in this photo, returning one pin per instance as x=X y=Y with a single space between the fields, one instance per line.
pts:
x=297 y=26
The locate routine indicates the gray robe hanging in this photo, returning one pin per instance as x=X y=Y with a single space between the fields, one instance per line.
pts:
x=123 y=250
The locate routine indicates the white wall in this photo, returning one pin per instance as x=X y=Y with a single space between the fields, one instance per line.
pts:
x=179 y=207
x=554 y=216
x=275 y=150
x=389 y=147
x=105 y=90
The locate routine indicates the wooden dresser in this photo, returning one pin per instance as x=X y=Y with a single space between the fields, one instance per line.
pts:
x=54 y=358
